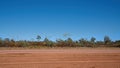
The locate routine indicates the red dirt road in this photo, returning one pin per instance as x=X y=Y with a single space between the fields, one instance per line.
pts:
x=60 y=58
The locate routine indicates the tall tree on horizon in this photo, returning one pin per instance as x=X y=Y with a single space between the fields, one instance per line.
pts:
x=38 y=37
x=93 y=39
x=107 y=40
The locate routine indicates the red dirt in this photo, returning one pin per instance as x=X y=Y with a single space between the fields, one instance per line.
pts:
x=60 y=58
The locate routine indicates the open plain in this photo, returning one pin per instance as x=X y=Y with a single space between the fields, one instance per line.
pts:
x=60 y=58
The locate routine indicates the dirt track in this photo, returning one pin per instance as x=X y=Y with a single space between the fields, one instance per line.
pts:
x=60 y=58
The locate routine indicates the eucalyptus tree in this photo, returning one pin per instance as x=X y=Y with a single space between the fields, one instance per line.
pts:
x=38 y=37
x=107 y=40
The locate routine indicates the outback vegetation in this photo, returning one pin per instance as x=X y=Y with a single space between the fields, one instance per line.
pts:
x=60 y=43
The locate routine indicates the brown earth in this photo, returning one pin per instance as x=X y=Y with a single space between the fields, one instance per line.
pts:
x=61 y=58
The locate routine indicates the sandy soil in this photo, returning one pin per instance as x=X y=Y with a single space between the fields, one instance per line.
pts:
x=60 y=58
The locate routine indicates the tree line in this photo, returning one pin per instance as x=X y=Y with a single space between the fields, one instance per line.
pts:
x=69 y=42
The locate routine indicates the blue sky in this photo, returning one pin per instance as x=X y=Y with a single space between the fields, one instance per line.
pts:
x=25 y=19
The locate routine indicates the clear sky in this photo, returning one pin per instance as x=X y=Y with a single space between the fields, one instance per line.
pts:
x=25 y=19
